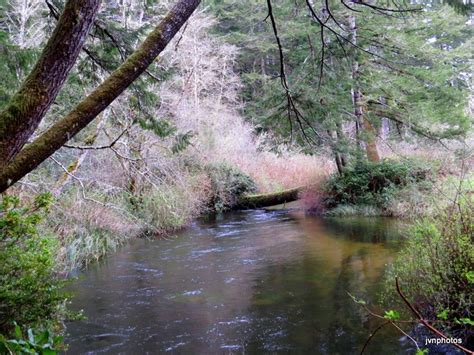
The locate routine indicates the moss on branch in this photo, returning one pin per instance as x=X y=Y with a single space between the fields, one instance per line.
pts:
x=266 y=200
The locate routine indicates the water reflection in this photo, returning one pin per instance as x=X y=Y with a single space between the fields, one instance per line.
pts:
x=251 y=282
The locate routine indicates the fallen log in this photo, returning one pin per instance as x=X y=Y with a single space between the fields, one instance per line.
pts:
x=267 y=200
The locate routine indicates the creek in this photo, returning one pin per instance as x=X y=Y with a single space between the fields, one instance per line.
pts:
x=245 y=282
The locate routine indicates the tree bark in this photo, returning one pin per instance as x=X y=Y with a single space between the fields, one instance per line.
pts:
x=267 y=200
x=357 y=100
x=370 y=141
x=51 y=140
x=27 y=107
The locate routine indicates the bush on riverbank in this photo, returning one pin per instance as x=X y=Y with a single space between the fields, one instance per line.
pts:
x=370 y=187
x=436 y=269
x=88 y=229
x=227 y=184
x=30 y=291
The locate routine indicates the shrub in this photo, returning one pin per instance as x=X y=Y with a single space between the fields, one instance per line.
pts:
x=372 y=183
x=30 y=292
x=41 y=342
x=436 y=269
x=228 y=183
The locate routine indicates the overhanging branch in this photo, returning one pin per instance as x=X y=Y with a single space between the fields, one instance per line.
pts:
x=57 y=135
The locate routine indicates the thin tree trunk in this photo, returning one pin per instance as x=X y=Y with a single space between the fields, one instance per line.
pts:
x=51 y=140
x=370 y=141
x=338 y=163
x=27 y=107
x=339 y=136
x=338 y=157
x=357 y=100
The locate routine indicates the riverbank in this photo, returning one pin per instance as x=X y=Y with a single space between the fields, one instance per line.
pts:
x=91 y=222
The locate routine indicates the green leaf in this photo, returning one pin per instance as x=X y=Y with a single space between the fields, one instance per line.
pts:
x=467 y=321
x=470 y=276
x=443 y=315
x=31 y=336
x=392 y=315
x=18 y=333
x=58 y=340
x=3 y=347
x=42 y=338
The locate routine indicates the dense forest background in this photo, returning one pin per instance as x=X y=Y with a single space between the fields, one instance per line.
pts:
x=368 y=105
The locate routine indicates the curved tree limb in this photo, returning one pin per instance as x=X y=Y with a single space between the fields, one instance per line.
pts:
x=56 y=136
x=25 y=110
x=372 y=335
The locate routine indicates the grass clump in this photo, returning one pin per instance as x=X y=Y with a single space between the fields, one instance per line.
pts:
x=436 y=269
x=87 y=230
x=167 y=208
x=353 y=210
x=30 y=290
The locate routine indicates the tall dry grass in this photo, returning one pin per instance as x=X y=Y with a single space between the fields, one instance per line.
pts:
x=272 y=172
x=203 y=98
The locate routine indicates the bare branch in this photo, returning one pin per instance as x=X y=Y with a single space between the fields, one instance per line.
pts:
x=110 y=145
x=384 y=9
x=372 y=335
x=424 y=321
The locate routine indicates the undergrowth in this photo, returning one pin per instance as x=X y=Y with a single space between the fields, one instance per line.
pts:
x=228 y=183
x=172 y=205
x=87 y=230
x=30 y=290
x=436 y=268
x=369 y=188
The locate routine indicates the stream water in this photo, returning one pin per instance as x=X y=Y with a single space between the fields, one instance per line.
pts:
x=247 y=282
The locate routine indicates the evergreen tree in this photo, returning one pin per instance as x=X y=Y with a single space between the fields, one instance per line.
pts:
x=409 y=67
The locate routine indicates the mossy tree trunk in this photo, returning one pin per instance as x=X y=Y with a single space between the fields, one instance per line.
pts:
x=66 y=128
x=370 y=141
x=267 y=200
x=24 y=112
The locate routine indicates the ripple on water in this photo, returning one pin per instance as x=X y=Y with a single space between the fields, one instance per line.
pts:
x=232 y=233
x=231 y=347
x=192 y=293
x=206 y=251
x=175 y=346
